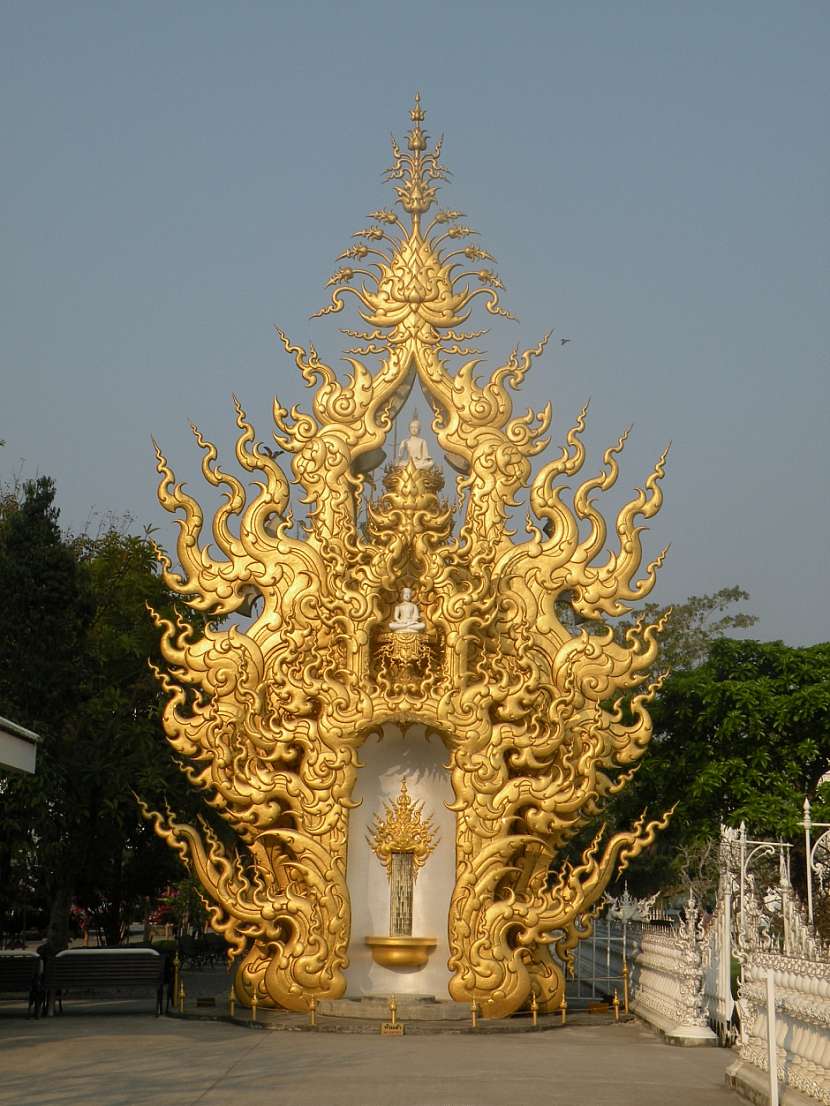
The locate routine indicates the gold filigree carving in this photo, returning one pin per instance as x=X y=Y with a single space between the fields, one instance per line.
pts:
x=267 y=718
x=403 y=829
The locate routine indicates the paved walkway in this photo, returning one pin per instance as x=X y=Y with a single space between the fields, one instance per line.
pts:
x=98 y=1058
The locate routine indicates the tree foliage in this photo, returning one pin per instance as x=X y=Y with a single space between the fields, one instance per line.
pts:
x=694 y=625
x=745 y=736
x=73 y=667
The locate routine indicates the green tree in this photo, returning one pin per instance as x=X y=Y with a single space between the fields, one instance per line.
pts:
x=121 y=745
x=73 y=666
x=694 y=625
x=47 y=609
x=47 y=612
x=743 y=736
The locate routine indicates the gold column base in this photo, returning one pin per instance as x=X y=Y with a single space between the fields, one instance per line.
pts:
x=401 y=952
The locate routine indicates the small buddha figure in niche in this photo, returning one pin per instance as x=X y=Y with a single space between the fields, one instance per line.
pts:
x=414 y=448
x=406 y=617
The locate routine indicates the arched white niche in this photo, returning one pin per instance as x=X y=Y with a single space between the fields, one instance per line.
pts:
x=418 y=756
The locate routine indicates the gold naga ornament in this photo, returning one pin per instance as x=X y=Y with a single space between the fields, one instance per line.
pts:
x=268 y=720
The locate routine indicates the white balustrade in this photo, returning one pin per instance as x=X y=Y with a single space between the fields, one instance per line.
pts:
x=668 y=982
x=680 y=978
x=801 y=979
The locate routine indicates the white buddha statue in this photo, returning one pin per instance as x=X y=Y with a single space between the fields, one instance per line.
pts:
x=414 y=448
x=406 y=616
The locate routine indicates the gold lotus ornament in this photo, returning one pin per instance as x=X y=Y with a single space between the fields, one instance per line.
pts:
x=267 y=716
x=403 y=830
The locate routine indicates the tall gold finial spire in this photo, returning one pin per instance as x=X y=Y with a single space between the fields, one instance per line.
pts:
x=417 y=140
x=417 y=169
x=416 y=282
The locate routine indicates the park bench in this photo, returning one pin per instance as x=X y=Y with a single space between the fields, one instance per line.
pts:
x=102 y=969
x=20 y=974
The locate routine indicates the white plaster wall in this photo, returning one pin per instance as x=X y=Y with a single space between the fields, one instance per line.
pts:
x=386 y=759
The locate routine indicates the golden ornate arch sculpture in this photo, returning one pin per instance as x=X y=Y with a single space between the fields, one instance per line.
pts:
x=268 y=719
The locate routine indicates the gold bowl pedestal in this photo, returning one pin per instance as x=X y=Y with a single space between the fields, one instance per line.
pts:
x=401 y=952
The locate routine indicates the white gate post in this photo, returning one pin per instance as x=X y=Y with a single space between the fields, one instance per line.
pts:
x=771 y=1039
x=807 y=850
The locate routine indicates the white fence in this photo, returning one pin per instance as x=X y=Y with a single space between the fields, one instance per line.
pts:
x=667 y=985
x=716 y=941
x=799 y=965
x=680 y=977
x=663 y=965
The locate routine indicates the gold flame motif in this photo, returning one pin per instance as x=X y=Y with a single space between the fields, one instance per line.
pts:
x=267 y=718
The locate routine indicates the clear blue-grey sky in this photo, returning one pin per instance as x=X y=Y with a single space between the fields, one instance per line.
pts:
x=652 y=177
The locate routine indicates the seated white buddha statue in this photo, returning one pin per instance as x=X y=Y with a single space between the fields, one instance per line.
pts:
x=406 y=616
x=414 y=448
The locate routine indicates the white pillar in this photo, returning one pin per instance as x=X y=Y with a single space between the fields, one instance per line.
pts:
x=808 y=849
x=772 y=1053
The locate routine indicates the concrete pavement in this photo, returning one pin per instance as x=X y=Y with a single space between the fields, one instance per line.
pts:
x=98 y=1058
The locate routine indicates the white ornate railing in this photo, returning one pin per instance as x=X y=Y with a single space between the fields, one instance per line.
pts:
x=667 y=985
x=665 y=973
x=802 y=1009
x=800 y=971
x=680 y=978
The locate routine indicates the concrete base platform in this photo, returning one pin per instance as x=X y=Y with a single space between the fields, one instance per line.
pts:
x=684 y=1036
x=753 y=1085
x=411 y=1008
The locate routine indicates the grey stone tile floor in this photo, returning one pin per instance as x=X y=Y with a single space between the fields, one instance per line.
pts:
x=115 y=1053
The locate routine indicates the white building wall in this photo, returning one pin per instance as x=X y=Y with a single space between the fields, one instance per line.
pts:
x=18 y=747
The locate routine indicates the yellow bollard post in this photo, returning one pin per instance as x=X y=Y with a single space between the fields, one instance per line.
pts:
x=625 y=984
x=253 y=1007
x=392 y=1028
x=181 y=996
x=616 y=1005
x=231 y=1003
x=534 y=1009
x=474 y=1013
x=312 y=1010
x=563 y=1008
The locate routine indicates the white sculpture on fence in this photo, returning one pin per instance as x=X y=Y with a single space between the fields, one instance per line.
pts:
x=817 y=853
x=625 y=908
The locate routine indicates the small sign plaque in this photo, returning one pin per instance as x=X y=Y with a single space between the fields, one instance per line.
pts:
x=391 y=1029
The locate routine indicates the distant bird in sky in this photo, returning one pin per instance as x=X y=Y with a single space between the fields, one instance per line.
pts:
x=564 y=341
